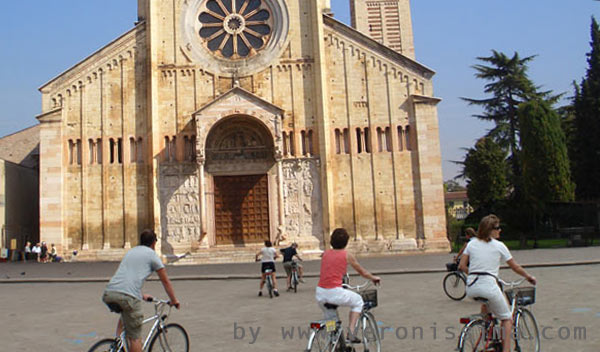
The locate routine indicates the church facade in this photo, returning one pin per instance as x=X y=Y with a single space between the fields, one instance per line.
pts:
x=223 y=123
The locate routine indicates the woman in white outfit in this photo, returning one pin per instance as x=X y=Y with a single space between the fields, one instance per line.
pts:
x=481 y=260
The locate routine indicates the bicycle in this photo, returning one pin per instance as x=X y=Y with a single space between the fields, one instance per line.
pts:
x=455 y=282
x=295 y=279
x=269 y=282
x=482 y=333
x=162 y=337
x=328 y=335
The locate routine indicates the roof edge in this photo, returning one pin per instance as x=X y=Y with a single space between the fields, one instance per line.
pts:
x=89 y=57
x=383 y=49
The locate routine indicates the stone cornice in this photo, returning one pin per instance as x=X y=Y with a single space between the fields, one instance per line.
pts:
x=101 y=56
x=421 y=99
x=244 y=93
x=377 y=48
x=53 y=115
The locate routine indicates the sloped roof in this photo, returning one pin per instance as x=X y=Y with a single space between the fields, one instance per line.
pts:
x=22 y=147
x=458 y=195
x=377 y=47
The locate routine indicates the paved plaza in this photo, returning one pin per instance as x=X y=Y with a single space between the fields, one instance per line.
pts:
x=226 y=315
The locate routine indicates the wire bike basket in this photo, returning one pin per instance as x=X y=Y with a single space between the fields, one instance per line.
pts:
x=452 y=266
x=525 y=295
x=369 y=297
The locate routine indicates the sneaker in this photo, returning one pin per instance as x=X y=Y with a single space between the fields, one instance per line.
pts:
x=301 y=280
x=276 y=293
x=259 y=293
x=289 y=289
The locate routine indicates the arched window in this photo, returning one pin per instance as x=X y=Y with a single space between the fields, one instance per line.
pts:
x=99 y=150
x=380 y=140
x=367 y=136
x=132 y=150
x=346 y=141
x=400 y=139
x=388 y=139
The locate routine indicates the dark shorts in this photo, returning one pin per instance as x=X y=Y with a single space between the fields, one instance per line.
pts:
x=267 y=265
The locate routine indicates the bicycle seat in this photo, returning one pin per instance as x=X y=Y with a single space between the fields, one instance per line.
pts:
x=330 y=306
x=115 y=308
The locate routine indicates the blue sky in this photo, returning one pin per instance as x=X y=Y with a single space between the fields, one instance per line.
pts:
x=39 y=39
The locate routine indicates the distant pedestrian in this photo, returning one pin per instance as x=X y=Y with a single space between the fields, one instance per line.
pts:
x=54 y=257
x=36 y=251
x=27 y=251
x=44 y=252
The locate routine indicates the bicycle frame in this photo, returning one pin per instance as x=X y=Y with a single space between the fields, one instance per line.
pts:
x=490 y=331
x=159 y=320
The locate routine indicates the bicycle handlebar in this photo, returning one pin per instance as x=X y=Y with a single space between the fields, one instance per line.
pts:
x=357 y=287
x=511 y=284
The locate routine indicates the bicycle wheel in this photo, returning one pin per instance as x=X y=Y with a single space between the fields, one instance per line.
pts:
x=270 y=286
x=173 y=338
x=472 y=337
x=527 y=335
x=369 y=334
x=295 y=281
x=104 y=345
x=319 y=341
x=455 y=286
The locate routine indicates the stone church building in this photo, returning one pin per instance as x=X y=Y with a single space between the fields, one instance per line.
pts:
x=222 y=123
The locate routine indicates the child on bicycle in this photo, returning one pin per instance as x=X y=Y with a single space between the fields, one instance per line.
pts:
x=123 y=294
x=268 y=254
x=333 y=268
x=288 y=257
x=481 y=259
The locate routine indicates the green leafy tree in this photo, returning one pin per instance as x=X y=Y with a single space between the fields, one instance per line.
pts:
x=485 y=171
x=586 y=154
x=508 y=87
x=544 y=156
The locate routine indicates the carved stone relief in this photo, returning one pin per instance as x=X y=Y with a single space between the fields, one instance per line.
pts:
x=301 y=198
x=180 y=206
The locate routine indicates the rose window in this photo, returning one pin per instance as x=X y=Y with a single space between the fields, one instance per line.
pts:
x=235 y=29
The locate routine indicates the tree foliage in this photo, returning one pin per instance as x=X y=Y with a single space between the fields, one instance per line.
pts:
x=545 y=162
x=508 y=87
x=485 y=170
x=586 y=155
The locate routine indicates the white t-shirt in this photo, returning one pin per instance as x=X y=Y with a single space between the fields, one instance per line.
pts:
x=268 y=254
x=486 y=256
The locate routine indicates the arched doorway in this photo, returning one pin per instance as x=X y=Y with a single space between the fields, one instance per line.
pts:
x=239 y=159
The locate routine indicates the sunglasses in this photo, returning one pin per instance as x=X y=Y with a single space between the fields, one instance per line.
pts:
x=497 y=228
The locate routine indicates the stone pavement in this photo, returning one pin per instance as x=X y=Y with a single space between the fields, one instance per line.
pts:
x=414 y=314
x=403 y=264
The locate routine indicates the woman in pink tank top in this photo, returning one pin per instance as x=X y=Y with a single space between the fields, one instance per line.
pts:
x=333 y=268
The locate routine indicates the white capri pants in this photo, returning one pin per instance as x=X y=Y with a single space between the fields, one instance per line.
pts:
x=340 y=297
x=486 y=287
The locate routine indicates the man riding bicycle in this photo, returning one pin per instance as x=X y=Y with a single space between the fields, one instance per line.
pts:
x=123 y=294
x=288 y=258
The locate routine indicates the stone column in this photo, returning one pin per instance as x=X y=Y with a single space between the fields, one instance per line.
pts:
x=432 y=215
x=51 y=182
x=321 y=95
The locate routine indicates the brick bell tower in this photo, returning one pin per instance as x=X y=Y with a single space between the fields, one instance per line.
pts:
x=387 y=21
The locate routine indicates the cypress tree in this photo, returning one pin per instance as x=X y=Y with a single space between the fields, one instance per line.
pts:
x=544 y=156
x=587 y=125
